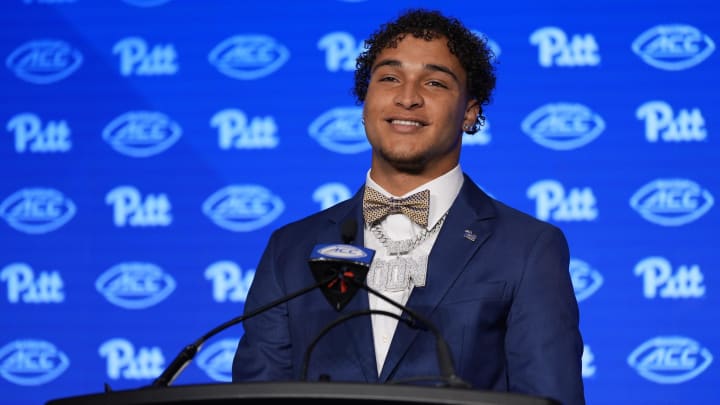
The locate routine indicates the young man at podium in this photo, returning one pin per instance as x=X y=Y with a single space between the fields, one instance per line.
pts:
x=493 y=280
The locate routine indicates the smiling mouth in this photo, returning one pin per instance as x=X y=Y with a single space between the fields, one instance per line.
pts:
x=406 y=122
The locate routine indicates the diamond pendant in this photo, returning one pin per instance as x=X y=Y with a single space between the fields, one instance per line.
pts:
x=398 y=274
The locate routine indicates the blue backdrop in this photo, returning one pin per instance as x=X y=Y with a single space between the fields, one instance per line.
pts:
x=149 y=147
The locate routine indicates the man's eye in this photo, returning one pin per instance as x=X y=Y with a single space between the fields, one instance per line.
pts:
x=436 y=83
x=387 y=79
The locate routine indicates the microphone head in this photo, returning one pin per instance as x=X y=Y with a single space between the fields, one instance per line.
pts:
x=342 y=268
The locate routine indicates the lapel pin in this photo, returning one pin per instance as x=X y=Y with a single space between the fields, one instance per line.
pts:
x=469 y=235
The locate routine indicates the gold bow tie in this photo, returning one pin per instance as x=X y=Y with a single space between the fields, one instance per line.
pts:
x=376 y=206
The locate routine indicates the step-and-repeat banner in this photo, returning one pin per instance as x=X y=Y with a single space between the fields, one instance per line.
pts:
x=148 y=148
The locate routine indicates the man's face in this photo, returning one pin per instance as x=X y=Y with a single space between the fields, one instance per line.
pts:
x=415 y=107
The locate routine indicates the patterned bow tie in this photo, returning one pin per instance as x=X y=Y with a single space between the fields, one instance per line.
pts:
x=376 y=206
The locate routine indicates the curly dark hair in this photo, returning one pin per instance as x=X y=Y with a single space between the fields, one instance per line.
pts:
x=473 y=53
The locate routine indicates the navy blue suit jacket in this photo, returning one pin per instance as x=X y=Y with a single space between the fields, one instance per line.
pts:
x=503 y=301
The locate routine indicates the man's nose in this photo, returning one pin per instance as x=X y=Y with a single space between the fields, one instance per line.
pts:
x=408 y=96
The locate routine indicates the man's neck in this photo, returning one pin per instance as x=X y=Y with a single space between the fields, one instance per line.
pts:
x=400 y=183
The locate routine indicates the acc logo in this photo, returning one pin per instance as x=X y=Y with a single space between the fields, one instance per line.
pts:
x=37 y=210
x=342 y=252
x=671 y=202
x=585 y=279
x=248 y=57
x=44 y=61
x=340 y=130
x=330 y=194
x=673 y=46
x=243 y=208
x=670 y=359
x=216 y=360
x=31 y=362
x=563 y=126
x=229 y=281
x=135 y=285
x=141 y=133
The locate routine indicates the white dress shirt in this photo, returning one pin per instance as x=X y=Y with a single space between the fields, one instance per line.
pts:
x=443 y=191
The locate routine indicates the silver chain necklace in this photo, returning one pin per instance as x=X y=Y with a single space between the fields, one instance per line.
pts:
x=401 y=271
x=403 y=247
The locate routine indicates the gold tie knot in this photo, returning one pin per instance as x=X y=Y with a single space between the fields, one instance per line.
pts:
x=376 y=206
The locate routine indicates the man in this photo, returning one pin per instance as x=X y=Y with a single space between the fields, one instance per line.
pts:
x=493 y=280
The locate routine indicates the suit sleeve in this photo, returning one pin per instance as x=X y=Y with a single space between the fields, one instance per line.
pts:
x=264 y=352
x=543 y=343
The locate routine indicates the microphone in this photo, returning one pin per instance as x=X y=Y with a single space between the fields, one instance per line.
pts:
x=332 y=283
x=350 y=265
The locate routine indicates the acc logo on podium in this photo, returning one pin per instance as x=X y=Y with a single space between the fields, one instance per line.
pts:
x=31 y=362
x=670 y=359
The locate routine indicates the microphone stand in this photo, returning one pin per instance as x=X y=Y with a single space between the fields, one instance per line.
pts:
x=445 y=362
x=189 y=352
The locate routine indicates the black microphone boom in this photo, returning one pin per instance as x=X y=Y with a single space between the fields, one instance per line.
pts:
x=189 y=352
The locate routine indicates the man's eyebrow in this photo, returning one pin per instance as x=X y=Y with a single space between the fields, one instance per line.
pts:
x=429 y=66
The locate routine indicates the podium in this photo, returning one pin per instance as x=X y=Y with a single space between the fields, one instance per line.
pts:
x=267 y=393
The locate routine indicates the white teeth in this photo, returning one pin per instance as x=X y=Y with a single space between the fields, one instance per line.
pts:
x=404 y=122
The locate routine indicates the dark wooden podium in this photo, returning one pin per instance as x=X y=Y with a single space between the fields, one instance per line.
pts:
x=302 y=392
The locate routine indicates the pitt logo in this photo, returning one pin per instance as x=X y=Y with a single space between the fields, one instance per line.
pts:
x=141 y=133
x=551 y=202
x=554 y=48
x=341 y=51
x=130 y=209
x=670 y=359
x=135 y=285
x=248 y=57
x=340 y=130
x=563 y=126
x=34 y=137
x=136 y=58
x=123 y=361
x=229 y=281
x=23 y=286
x=44 y=61
x=235 y=131
x=659 y=280
x=243 y=208
x=37 y=210
x=673 y=46
x=216 y=360
x=585 y=280
x=671 y=202
x=31 y=362
x=330 y=194
x=661 y=123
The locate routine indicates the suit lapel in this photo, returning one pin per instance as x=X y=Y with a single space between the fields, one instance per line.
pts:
x=465 y=229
